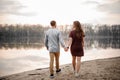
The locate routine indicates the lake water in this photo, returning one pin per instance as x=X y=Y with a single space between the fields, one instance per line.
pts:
x=18 y=57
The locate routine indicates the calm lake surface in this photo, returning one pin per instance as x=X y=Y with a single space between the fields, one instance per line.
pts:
x=19 y=56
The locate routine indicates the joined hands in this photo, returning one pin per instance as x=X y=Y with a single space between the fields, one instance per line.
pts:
x=66 y=49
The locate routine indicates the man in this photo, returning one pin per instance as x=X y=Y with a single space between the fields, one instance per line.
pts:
x=52 y=40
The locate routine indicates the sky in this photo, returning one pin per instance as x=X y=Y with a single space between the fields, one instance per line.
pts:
x=63 y=11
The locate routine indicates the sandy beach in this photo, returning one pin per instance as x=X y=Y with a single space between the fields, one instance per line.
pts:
x=101 y=69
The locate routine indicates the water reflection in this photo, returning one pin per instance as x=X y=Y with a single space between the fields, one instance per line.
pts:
x=22 y=42
x=37 y=43
x=109 y=42
x=22 y=46
x=102 y=43
x=23 y=54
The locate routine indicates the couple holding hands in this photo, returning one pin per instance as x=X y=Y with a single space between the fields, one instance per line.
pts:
x=76 y=42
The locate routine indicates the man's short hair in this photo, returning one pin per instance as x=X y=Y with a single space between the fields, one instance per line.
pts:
x=53 y=23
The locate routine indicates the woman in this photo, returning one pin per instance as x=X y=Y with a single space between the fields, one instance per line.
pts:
x=76 y=42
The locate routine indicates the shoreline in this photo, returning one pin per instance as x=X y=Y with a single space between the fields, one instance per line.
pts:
x=99 y=69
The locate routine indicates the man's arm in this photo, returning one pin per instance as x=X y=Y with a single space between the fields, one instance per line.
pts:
x=61 y=40
x=46 y=41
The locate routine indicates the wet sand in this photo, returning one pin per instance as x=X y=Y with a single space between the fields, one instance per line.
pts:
x=101 y=69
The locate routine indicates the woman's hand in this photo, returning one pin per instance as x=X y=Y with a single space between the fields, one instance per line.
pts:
x=66 y=49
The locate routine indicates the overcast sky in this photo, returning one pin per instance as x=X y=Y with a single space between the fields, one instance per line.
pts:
x=63 y=11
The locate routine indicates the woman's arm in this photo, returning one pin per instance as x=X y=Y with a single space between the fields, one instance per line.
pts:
x=69 y=42
x=83 y=42
x=83 y=39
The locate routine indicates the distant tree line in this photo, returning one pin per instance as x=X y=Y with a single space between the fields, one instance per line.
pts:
x=38 y=30
x=21 y=30
x=102 y=31
x=22 y=34
x=33 y=35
